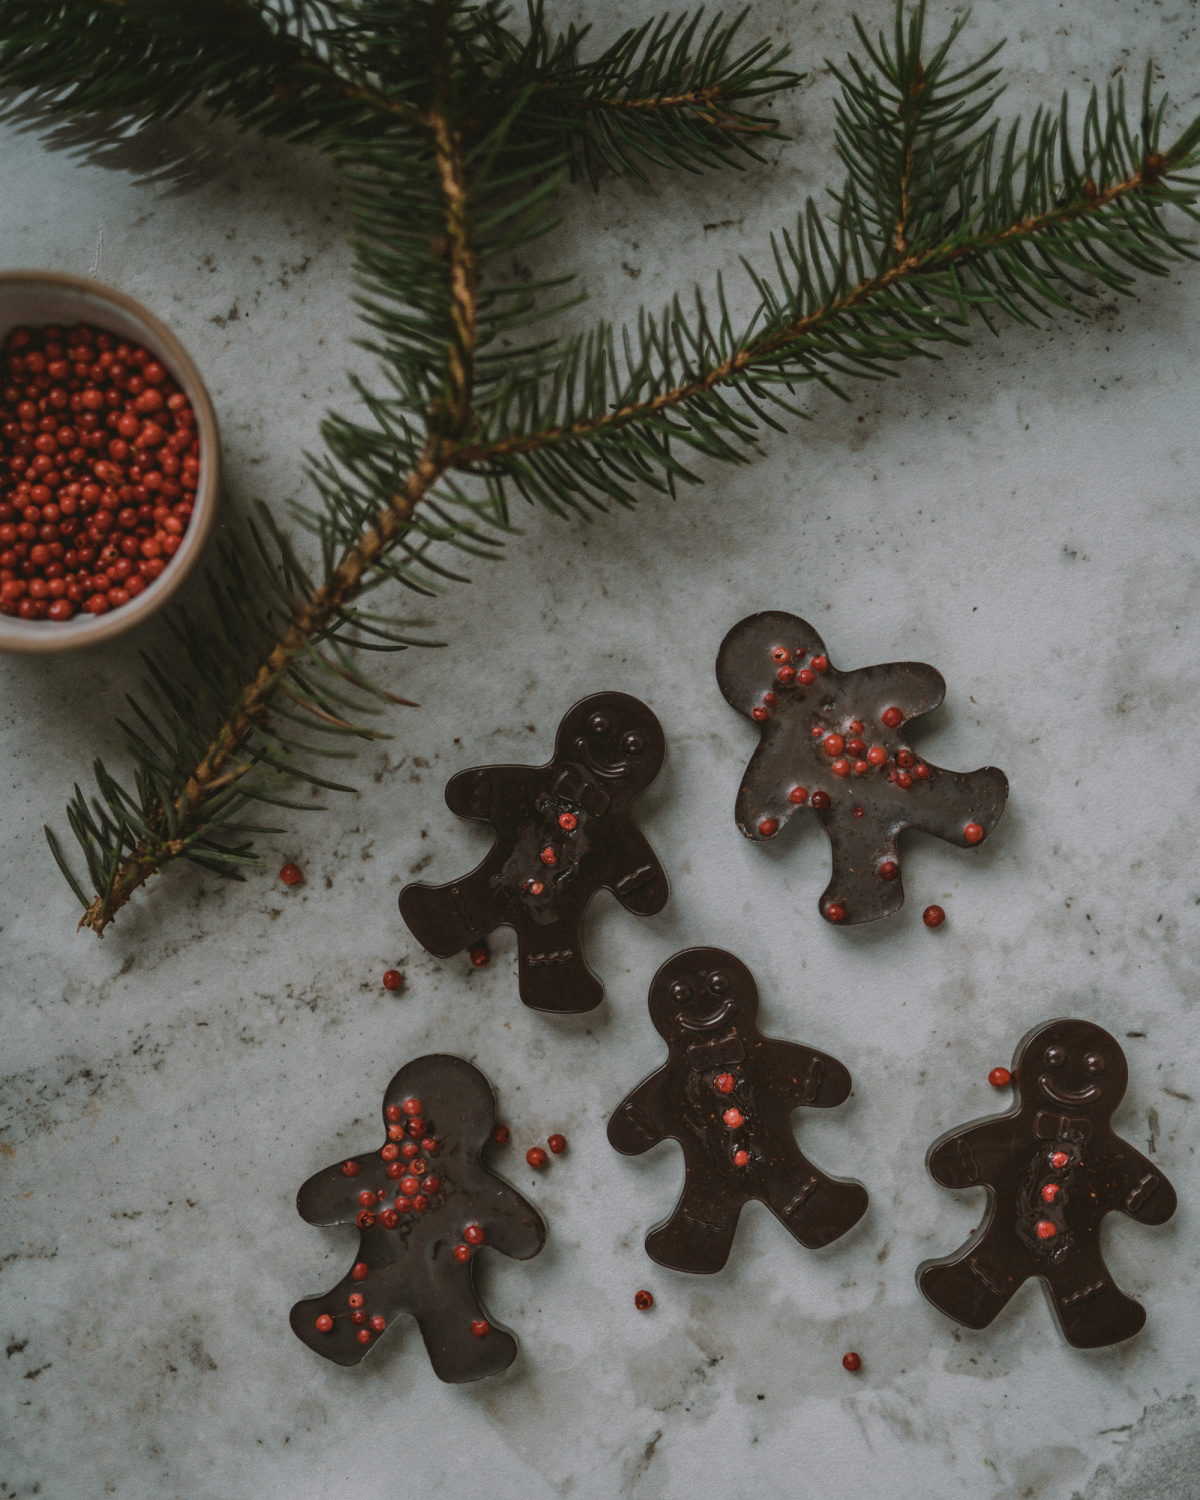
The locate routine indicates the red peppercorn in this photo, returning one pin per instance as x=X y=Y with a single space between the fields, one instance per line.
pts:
x=786 y=674
x=999 y=1078
x=364 y=1335
x=557 y=1144
x=480 y=1328
x=905 y=759
x=841 y=767
x=892 y=717
x=1045 y=1230
x=769 y=699
x=973 y=833
x=324 y=1323
x=819 y=800
x=356 y=1299
x=359 y=1318
x=933 y=916
x=798 y=794
x=861 y=768
x=390 y=1152
x=429 y=1144
x=834 y=744
x=393 y=979
x=415 y=1127
x=389 y=1218
x=480 y=956
x=816 y=731
x=420 y=1203
x=889 y=869
x=410 y=1185
x=1050 y=1192
x=859 y=812
x=835 y=912
x=820 y=663
x=856 y=747
x=740 y=1157
x=568 y=821
x=536 y=1157
x=366 y=1219
x=431 y=1185
x=361 y=1271
x=856 y=726
x=1058 y=1160
x=393 y=1112
x=350 y=1168
x=724 y=1083
x=473 y=1234
x=548 y=856
x=408 y=1150
x=768 y=827
x=501 y=1134
x=403 y=1204
x=413 y=1107
x=851 y=1362
x=643 y=1301
x=781 y=653
x=378 y=1324
x=733 y=1118
x=805 y=676
x=903 y=779
x=366 y=1198
x=877 y=755
x=291 y=874
x=759 y=714
x=462 y=1253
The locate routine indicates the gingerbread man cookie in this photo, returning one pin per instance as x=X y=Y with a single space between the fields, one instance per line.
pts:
x=563 y=832
x=833 y=741
x=727 y=1094
x=424 y=1204
x=1053 y=1168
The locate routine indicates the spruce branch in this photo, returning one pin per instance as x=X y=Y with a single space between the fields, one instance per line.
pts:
x=942 y=216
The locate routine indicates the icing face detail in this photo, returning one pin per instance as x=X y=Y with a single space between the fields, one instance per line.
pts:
x=1072 y=1066
x=694 y=996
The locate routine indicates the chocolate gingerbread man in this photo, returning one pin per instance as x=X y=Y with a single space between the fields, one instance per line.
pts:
x=834 y=742
x=563 y=831
x=424 y=1204
x=1053 y=1168
x=727 y=1094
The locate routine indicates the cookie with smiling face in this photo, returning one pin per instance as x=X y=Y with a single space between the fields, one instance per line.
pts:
x=563 y=831
x=1053 y=1168
x=727 y=1094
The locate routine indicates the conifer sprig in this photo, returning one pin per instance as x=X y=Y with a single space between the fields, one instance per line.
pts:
x=942 y=215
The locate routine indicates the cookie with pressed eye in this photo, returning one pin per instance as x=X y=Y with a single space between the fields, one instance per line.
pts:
x=564 y=831
x=1053 y=1168
x=727 y=1094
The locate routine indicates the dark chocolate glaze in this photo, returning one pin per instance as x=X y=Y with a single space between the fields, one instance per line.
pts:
x=609 y=748
x=411 y=1267
x=789 y=756
x=1069 y=1076
x=704 y=1002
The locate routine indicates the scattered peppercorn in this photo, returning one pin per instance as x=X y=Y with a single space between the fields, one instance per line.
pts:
x=291 y=874
x=999 y=1078
x=393 y=979
x=536 y=1157
x=643 y=1301
x=933 y=916
x=851 y=1362
x=501 y=1134
x=480 y=956
x=557 y=1144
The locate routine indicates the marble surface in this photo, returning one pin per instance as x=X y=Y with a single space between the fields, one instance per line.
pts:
x=1022 y=515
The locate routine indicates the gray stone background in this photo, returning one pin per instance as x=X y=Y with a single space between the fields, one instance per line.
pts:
x=1022 y=515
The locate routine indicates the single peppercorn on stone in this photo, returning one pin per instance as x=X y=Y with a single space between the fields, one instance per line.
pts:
x=934 y=916
x=851 y=1362
x=557 y=1144
x=393 y=980
x=536 y=1157
x=291 y=874
x=480 y=956
x=643 y=1301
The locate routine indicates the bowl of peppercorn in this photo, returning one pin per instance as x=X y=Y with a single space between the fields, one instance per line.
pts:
x=109 y=461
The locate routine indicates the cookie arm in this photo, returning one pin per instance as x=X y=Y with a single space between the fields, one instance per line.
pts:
x=815 y=1079
x=638 y=880
x=637 y=1122
x=1143 y=1192
x=964 y=1158
x=512 y=1225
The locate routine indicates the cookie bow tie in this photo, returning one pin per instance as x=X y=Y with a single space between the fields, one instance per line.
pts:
x=1048 y=1127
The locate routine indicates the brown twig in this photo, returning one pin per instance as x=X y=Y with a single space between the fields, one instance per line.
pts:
x=322 y=608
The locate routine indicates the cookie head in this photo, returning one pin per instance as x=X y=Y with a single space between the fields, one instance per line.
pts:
x=1072 y=1066
x=700 y=993
x=616 y=738
x=445 y=1094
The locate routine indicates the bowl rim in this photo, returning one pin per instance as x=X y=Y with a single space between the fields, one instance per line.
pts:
x=40 y=636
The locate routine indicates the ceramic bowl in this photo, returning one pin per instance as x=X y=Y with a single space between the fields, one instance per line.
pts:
x=35 y=298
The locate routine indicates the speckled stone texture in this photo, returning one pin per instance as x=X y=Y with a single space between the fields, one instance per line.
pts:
x=1022 y=515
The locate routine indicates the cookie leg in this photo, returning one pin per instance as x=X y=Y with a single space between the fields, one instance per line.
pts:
x=1091 y=1309
x=444 y=919
x=856 y=884
x=457 y=1353
x=976 y=1285
x=552 y=974
x=814 y=1208
x=699 y=1233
